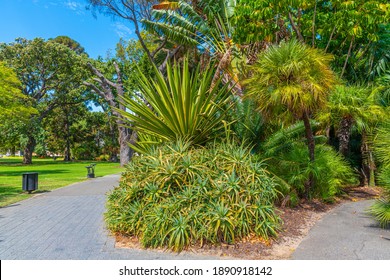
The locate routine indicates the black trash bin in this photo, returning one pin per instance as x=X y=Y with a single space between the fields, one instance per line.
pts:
x=91 y=170
x=30 y=181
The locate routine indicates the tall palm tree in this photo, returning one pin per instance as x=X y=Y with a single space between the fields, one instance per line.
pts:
x=295 y=79
x=350 y=106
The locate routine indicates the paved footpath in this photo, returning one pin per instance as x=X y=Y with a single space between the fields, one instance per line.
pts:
x=65 y=224
x=346 y=233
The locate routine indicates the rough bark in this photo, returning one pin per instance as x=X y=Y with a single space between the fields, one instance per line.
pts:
x=105 y=90
x=28 y=150
x=126 y=152
x=343 y=134
x=113 y=151
x=311 y=148
x=368 y=164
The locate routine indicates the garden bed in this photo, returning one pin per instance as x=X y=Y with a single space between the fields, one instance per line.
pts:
x=297 y=223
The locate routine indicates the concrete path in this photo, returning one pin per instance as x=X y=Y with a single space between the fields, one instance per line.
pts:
x=346 y=233
x=66 y=223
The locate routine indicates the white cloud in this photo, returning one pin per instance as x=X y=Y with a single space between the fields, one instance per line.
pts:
x=122 y=30
x=75 y=6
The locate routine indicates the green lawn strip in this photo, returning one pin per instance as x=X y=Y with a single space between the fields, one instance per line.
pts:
x=52 y=174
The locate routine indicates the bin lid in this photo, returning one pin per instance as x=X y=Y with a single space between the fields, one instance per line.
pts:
x=27 y=173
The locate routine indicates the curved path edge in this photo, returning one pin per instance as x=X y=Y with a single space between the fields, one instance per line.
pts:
x=67 y=223
x=346 y=233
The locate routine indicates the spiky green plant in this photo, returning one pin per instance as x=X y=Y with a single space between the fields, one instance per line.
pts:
x=180 y=106
x=291 y=166
x=247 y=123
x=381 y=208
x=213 y=194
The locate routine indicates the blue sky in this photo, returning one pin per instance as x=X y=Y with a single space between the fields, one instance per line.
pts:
x=51 y=18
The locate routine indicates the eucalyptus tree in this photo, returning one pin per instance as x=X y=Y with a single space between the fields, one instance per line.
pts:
x=132 y=11
x=292 y=79
x=114 y=78
x=109 y=86
x=49 y=73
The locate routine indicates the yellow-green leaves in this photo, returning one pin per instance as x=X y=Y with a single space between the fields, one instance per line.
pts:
x=291 y=77
x=177 y=196
x=180 y=106
x=13 y=104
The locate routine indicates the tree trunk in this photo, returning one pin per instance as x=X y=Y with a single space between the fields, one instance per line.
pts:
x=125 y=134
x=67 y=156
x=348 y=56
x=368 y=168
x=113 y=150
x=343 y=134
x=311 y=147
x=126 y=137
x=28 y=150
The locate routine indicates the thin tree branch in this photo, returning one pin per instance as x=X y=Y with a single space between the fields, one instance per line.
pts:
x=314 y=25
x=100 y=75
x=170 y=54
x=348 y=55
x=299 y=35
x=162 y=45
x=330 y=38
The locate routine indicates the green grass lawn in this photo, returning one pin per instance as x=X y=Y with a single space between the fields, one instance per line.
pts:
x=52 y=174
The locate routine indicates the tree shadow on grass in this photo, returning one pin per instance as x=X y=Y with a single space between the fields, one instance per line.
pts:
x=40 y=172
x=40 y=162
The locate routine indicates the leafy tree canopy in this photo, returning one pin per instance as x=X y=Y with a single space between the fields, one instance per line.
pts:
x=13 y=104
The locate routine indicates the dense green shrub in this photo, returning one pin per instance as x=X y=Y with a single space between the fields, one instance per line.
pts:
x=247 y=123
x=381 y=208
x=289 y=162
x=103 y=157
x=180 y=195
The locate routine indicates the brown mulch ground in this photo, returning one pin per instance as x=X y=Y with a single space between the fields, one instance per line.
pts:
x=296 y=224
